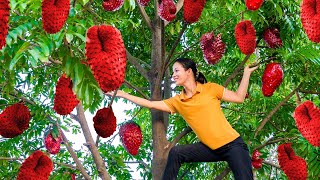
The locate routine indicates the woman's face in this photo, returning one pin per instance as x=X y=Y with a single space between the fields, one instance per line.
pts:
x=180 y=75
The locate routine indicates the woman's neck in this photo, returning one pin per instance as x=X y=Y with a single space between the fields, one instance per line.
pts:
x=190 y=88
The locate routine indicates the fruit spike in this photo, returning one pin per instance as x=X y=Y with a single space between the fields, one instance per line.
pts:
x=271 y=79
x=167 y=10
x=253 y=4
x=212 y=47
x=54 y=14
x=106 y=55
x=105 y=123
x=14 y=120
x=272 y=38
x=310 y=19
x=307 y=118
x=293 y=166
x=131 y=137
x=4 y=21
x=192 y=10
x=112 y=5
x=245 y=35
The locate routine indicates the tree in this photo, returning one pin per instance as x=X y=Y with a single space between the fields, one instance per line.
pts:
x=33 y=60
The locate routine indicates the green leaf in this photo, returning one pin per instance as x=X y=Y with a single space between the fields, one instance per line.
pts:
x=69 y=37
x=18 y=54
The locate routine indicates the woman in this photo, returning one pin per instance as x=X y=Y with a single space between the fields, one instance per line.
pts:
x=199 y=105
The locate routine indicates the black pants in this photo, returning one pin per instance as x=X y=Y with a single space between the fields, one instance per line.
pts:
x=235 y=153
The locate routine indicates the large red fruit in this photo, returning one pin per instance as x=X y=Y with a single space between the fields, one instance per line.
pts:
x=293 y=166
x=192 y=10
x=143 y=2
x=246 y=37
x=271 y=79
x=54 y=14
x=212 y=47
x=106 y=55
x=131 y=137
x=52 y=144
x=167 y=10
x=64 y=100
x=37 y=166
x=307 y=117
x=14 y=120
x=253 y=4
x=4 y=21
x=105 y=123
x=272 y=38
x=310 y=18
x=112 y=5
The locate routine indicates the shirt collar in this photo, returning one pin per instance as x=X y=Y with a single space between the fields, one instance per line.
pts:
x=198 y=90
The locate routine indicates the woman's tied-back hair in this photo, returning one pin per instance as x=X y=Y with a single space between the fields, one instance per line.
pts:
x=189 y=63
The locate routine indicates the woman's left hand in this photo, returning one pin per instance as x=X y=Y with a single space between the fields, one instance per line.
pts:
x=249 y=69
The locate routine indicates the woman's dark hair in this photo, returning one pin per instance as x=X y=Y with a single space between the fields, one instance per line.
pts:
x=189 y=63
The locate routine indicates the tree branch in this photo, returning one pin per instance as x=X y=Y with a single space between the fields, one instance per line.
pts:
x=266 y=119
x=144 y=15
x=89 y=140
x=308 y=92
x=236 y=71
x=139 y=162
x=271 y=141
x=177 y=138
x=236 y=110
x=271 y=164
x=223 y=174
x=134 y=61
x=135 y=88
x=174 y=46
x=21 y=159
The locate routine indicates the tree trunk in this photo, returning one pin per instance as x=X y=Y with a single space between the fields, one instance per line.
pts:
x=155 y=78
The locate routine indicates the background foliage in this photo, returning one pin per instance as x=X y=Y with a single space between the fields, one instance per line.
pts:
x=33 y=60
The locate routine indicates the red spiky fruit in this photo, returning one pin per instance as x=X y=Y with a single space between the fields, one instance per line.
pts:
x=143 y=2
x=245 y=35
x=272 y=37
x=293 y=166
x=54 y=14
x=307 y=118
x=64 y=100
x=52 y=141
x=112 y=5
x=4 y=21
x=73 y=177
x=256 y=155
x=253 y=5
x=37 y=166
x=212 y=47
x=14 y=120
x=310 y=19
x=131 y=137
x=272 y=78
x=105 y=123
x=257 y=164
x=192 y=10
x=106 y=55
x=167 y=10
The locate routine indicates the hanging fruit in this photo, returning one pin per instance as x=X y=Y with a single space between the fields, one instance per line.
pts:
x=112 y=5
x=293 y=166
x=310 y=13
x=212 y=47
x=52 y=140
x=105 y=123
x=64 y=99
x=37 y=166
x=106 y=55
x=192 y=10
x=131 y=137
x=253 y=4
x=14 y=120
x=256 y=160
x=245 y=35
x=272 y=38
x=54 y=14
x=167 y=10
x=4 y=21
x=272 y=78
x=307 y=118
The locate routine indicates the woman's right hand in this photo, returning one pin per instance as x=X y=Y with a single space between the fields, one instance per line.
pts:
x=119 y=93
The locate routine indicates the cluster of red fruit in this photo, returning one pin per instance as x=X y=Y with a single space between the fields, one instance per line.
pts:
x=293 y=166
x=4 y=21
x=256 y=160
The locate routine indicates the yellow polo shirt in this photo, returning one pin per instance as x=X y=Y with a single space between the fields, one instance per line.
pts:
x=204 y=115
